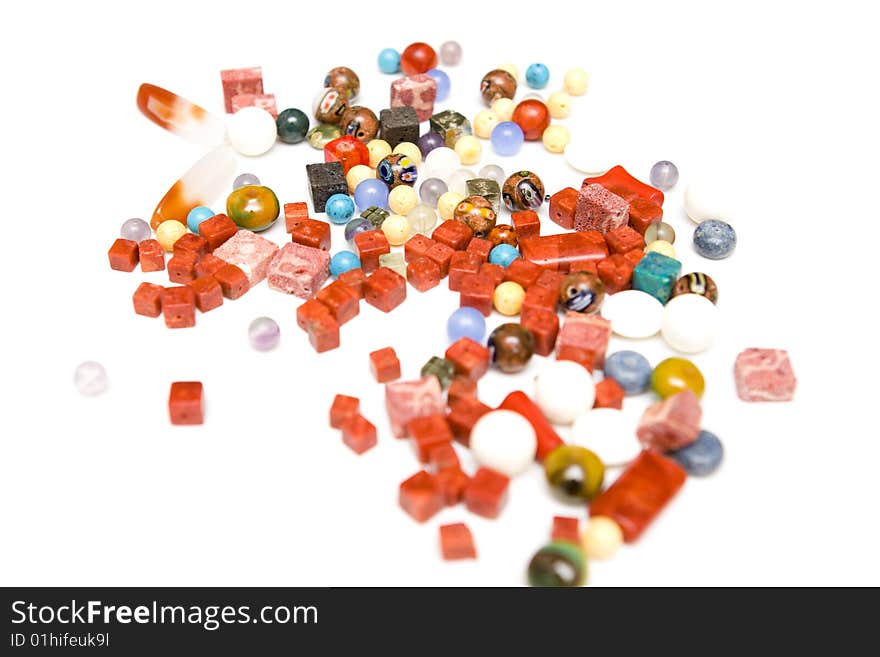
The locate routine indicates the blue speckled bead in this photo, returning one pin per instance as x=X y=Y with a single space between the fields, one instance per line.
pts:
x=444 y=84
x=656 y=274
x=339 y=208
x=714 y=239
x=537 y=76
x=355 y=226
x=370 y=192
x=507 y=138
x=196 y=216
x=343 y=262
x=702 y=457
x=503 y=255
x=466 y=322
x=630 y=369
x=389 y=61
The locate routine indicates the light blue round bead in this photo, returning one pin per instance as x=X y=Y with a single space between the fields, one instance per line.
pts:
x=389 y=61
x=702 y=457
x=339 y=208
x=503 y=255
x=196 y=216
x=466 y=322
x=537 y=76
x=370 y=192
x=507 y=138
x=342 y=262
x=714 y=239
x=630 y=369
x=444 y=84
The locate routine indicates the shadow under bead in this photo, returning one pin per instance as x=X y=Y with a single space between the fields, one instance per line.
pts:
x=523 y=190
x=476 y=213
x=582 y=292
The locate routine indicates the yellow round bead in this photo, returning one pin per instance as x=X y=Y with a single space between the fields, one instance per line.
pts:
x=402 y=199
x=379 y=149
x=559 y=104
x=556 y=138
x=602 y=538
x=447 y=203
x=662 y=247
x=503 y=108
x=576 y=82
x=511 y=68
x=484 y=122
x=396 y=229
x=410 y=150
x=469 y=149
x=358 y=174
x=169 y=232
x=508 y=298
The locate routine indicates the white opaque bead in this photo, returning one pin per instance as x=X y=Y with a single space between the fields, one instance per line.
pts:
x=440 y=163
x=90 y=378
x=587 y=158
x=504 y=441
x=633 y=313
x=564 y=390
x=706 y=199
x=690 y=323
x=608 y=433
x=602 y=538
x=251 y=131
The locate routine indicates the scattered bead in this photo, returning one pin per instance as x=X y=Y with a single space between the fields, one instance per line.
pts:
x=511 y=346
x=185 y=403
x=633 y=314
x=564 y=390
x=90 y=379
x=440 y=163
x=243 y=180
x=574 y=471
x=422 y=219
x=168 y=233
x=457 y=181
x=702 y=457
x=582 y=292
x=389 y=61
x=441 y=368
x=444 y=85
x=417 y=58
x=659 y=230
x=429 y=141
x=559 y=564
x=537 y=76
x=630 y=369
x=602 y=538
x=396 y=229
x=371 y=192
x=706 y=199
x=664 y=175
x=396 y=170
x=447 y=203
x=431 y=190
x=559 y=104
x=503 y=255
x=358 y=174
x=556 y=138
x=507 y=138
x=523 y=190
x=484 y=122
x=196 y=216
x=502 y=234
x=504 y=441
x=675 y=375
x=714 y=239
x=508 y=298
x=533 y=117
x=477 y=213
x=384 y=365
x=662 y=247
x=252 y=131
x=264 y=334
x=469 y=149
x=339 y=208
x=456 y=540
x=342 y=262
x=450 y=53
x=696 y=283
x=379 y=149
x=322 y=134
x=690 y=323
x=764 y=375
x=402 y=200
x=343 y=409
x=291 y=126
x=355 y=226
x=135 y=230
x=576 y=81
x=253 y=207
x=493 y=172
x=466 y=323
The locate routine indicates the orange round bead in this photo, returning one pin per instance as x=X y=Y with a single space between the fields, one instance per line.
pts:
x=533 y=117
x=418 y=58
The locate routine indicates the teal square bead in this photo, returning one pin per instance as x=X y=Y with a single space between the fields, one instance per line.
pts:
x=656 y=274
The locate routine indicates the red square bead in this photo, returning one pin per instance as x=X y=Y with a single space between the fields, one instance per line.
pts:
x=347 y=150
x=370 y=245
x=147 y=300
x=310 y=311
x=634 y=257
x=461 y=386
x=470 y=358
x=550 y=278
x=463 y=415
x=185 y=403
x=583 y=357
x=359 y=434
x=526 y=223
x=442 y=255
x=562 y=206
x=179 y=307
x=486 y=493
x=416 y=246
x=456 y=542
x=480 y=247
x=233 y=281
x=294 y=213
x=590 y=266
x=540 y=298
x=323 y=333
x=123 y=255
x=385 y=289
x=493 y=271
x=354 y=278
x=191 y=243
x=182 y=267
x=476 y=291
x=453 y=234
x=616 y=272
x=217 y=230
x=313 y=233
x=565 y=529
x=208 y=293
x=420 y=496
x=589 y=332
x=443 y=456
x=423 y=273
x=461 y=264
x=452 y=483
x=428 y=432
x=384 y=365
x=609 y=394
x=642 y=213
x=343 y=408
x=152 y=256
x=341 y=300
x=544 y=327
x=209 y=265
x=623 y=239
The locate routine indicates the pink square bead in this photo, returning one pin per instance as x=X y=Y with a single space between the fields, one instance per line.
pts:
x=417 y=91
x=250 y=253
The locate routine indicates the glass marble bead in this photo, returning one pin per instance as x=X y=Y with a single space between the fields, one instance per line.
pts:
x=582 y=292
x=243 y=180
x=702 y=457
x=402 y=200
x=344 y=261
x=696 y=283
x=251 y=131
x=502 y=234
x=322 y=134
x=508 y=298
x=630 y=369
x=444 y=84
x=394 y=262
x=355 y=226
x=714 y=239
x=662 y=247
x=429 y=141
x=559 y=564
x=675 y=375
x=396 y=229
x=292 y=125
x=371 y=192
x=443 y=369
x=690 y=323
x=447 y=203
x=342 y=77
x=253 y=207
x=564 y=390
x=493 y=172
x=450 y=53
x=503 y=108
x=90 y=379
x=422 y=219
x=559 y=104
x=196 y=216
x=523 y=190
x=664 y=175
x=358 y=174
x=264 y=334
x=136 y=230
x=602 y=538
x=389 y=61
x=477 y=213
x=511 y=346
x=574 y=472
x=440 y=163
x=379 y=149
x=466 y=322
x=484 y=122
x=504 y=441
x=576 y=81
x=397 y=169
x=457 y=182
x=409 y=149
x=469 y=149
x=431 y=190
x=169 y=232
x=339 y=208
x=507 y=138
x=503 y=255
x=658 y=230
x=556 y=138
x=537 y=76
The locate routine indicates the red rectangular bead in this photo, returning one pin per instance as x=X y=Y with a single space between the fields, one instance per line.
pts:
x=486 y=493
x=423 y=273
x=323 y=333
x=208 y=293
x=420 y=496
x=313 y=233
x=480 y=247
x=559 y=251
x=584 y=265
x=562 y=207
x=457 y=542
x=493 y=271
x=359 y=434
x=310 y=311
x=186 y=403
x=442 y=255
x=589 y=332
x=470 y=358
x=565 y=529
x=152 y=256
x=523 y=272
x=544 y=327
x=123 y=255
x=643 y=213
x=294 y=213
x=385 y=289
x=616 y=272
x=348 y=151
x=548 y=440
x=370 y=245
x=191 y=243
x=609 y=394
x=209 y=265
x=452 y=483
x=416 y=246
x=428 y=432
x=623 y=239
x=147 y=300
x=233 y=281
x=343 y=408
x=476 y=291
x=463 y=415
x=461 y=264
x=384 y=365
x=182 y=267
x=454 y=234
x=443 y=456
x=179 y=307
x=526 y=223
x=354 y=278
x=461 y=386
x=217 y=230
x=341 y=300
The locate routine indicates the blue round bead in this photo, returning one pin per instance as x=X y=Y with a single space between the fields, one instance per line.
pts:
x=444 y=84
x=342 y=262
x=630 y=369
x=196 y=216
x=466 y=322
x=389 y=61
x=503 y=255
x=507 y=138
x=714 y=239
x=537 y=76
x=702 y=457
x=339 y=208
x=355 y=226
x=370 y=192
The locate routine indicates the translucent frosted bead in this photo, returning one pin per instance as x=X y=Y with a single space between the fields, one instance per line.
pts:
x=446 y=204
x=264 y=333
x=440 y=163
x=429 y=141
x=466 y=322
x=90 y=378
x=602 y=538
x=358 y=174
x=136 y=230
x=169 y=232
x=402 y=200
x=444 y=84
x=576 y=81
x=659 y=230
x=389 y=61
x=559 y=104
x=556 y=138
x=396 y=229
x=422 y=219
x=355 y=226
x=469 y=149
x=370 y=192
x=431 y=190
x=493 y=172
x=484 y=122
x=252 y=131
x=458 y=180
x=664 y=175
x=379 y=149
x=503 y=108
x=450 y=53
x=507 y=138
x=409 y=149
x=245 y=179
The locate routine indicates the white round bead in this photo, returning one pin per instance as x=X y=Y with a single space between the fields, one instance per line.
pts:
x=706 y=199
x=251 y=131
x=440 y=163
x=564 y=390
x=602 y=538
x=633 y=313
x=504 y=441
x=587 y=158
x=608 y=433
x=90 y=378
x=690 y=323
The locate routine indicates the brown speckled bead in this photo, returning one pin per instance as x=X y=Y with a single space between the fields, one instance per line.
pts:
x=523 y=190
x=477 y=213
x=497 y=84
x=511 y=347
x=582 y=292
x=502 y=234
x=696 y=283
x=344 y=78
x=331 y=105
x=360 y=122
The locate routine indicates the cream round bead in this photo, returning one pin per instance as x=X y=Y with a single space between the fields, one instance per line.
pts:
x=511 y=68
x=602 y=538
x=559 y=104
x=379 y=149
x=447 y=203
x=503 y=108
x=396 y=229
x=576 y=82
x=251 y=131
x=508 y=298
x=484 y=122
x=556 y=138
x=402 y=199
x=410 y=150
x=504 y=441
x=469 y=149
x=169 y=232
x=633 y=313
x=707 y=199
x=358 y=174
x=662 y=247
x=440 y=163
x=690 y=323
x=564 y=390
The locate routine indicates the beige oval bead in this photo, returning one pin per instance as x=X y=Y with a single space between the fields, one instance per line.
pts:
x=508 y=298
x=447 y=203
x=484 y=122
x=169 y=232
x=358 y=174
x=379 y=148
x=576 y=82
x=469 y=149
x=402 y=199
x=410 y=150
x=556 y=138
x=602 y=538
x=396 y=229
x=503 y=108
x=662 y=247
x=559 y=104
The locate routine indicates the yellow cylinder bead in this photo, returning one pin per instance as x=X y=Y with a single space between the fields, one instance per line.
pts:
x=379 y=149
x=358 y=174
x=484 y=122
x=508 y=298
x=503 y=108
x=447 y=203
x=576 y=82
x=396 y=229
x=602 y=538
x=511 y=68
x=402 y=199
x=410 y=150
x=662 y=247
x=556 y=138
x=169 y=232
x=559 y=104
x=469 y=149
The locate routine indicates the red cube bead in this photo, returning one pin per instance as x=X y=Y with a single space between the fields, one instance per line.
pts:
x=416 y=246
x=456 y=542
x=470 y=358
x=609 y=394
x=233 y=281
x=461 y=264
x=208 y=293
x=544 y=327
x=616 y=272
x=185 y=403
x=452 y=483
x=526 y=223
x=341 y=300
x=152 y=256
x=385 y=289
x=635 y=256
x=558 y=251
x=343 y=408
x=209 y=265
x=476 y=291
x=442 y=255
x=384 y=365
x=217 y=230
x=590 y=266
x=539 y=297
x=463 y=415
x=323 y=333
x=442 y=456
x=423 y=273
x=359 y=434
x=623 y=239
x=550 y=278
x=480 y=247
x=493 y=271
x=182 y=267
x=428 y=432
x=420 y=496
x=147 y=300
x=191 y=243
x=294 y=213
x=565 y=529
x=370 y=245
x=562 y=206
x=123 y=255
x=454 y=234
x=310 y=311
x=486 y=493
x=461 y=386
x=588 y=332
x=354 y=278
x=642 y=213
x=313 y=233
x=583 y=357
x=347 y=150
x=179 y=307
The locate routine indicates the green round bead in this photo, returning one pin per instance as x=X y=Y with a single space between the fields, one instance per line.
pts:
x=574 y=471
x=558 y=564
x=322 y=134
x=675 y=375
x=293 y=125
x=253 y=207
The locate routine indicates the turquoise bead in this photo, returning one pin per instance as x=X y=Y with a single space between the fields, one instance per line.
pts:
x=196 y=216
x=503 y=255
x=342 y=262
x=656 y=274
x=389 y=61
x=339 y=208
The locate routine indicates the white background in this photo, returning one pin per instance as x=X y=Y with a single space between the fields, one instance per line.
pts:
x=777 y=100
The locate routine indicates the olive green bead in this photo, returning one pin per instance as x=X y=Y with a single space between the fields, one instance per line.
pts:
x=253 y=207
x=558 y=564
x=443 y=369
x=574 y=471
x=675 y=375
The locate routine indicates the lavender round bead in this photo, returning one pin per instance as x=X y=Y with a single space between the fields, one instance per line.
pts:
x=244 y=180
x=136 y=230
x=264 y=334
x=450 y=53
x=355 y=226
x=431 y=190
x=429 y=141
x=90 y=378
x=664 y=175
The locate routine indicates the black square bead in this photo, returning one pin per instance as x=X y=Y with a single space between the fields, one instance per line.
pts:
x=399 y=124
x=325 y=180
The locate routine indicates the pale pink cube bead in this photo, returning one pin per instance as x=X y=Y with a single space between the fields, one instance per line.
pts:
x=250 y=253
